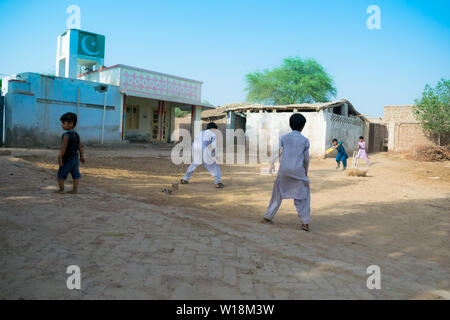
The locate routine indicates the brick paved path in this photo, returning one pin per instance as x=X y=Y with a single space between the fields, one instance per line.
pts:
x=131 y=250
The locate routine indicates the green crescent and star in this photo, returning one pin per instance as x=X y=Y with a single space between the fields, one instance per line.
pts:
x=91 y=44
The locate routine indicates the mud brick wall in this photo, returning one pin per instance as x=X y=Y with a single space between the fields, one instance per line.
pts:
x=403 y=113
x=409 y=135
x=405 y=131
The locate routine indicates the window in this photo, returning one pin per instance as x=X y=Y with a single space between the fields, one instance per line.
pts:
x=337 y=110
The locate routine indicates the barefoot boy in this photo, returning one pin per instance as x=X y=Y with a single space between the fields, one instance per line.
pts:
x=292 y=181
x=202 y=155
x=68 y=154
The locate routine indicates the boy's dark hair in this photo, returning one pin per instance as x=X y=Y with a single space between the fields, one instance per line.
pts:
x=69 y=117
x=334 y=140
x=297 y=121
x=361 y=137
x=211 y=125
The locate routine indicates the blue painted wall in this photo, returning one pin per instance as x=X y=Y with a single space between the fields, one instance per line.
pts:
x=35 y=102
x=1 y=119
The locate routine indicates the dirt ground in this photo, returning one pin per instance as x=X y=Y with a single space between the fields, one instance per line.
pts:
x=397 y=217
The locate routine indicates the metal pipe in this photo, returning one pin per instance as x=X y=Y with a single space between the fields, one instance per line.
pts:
x=123 y=115
x=78 y=103
x=104 y=113
x=4 y=122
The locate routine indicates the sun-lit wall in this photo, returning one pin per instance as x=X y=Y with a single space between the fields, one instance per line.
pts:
x=35 y=102
x=279 y=122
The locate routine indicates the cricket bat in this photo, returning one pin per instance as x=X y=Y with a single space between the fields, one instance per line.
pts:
x=330 y=150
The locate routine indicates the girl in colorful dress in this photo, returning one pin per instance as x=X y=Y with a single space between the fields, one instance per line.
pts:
x=362 y=150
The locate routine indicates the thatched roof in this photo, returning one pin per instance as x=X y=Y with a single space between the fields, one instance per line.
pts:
x=213 y=114
x=220 y=112
x=241 y=107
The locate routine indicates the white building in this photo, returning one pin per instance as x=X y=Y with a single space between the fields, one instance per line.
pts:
x=148 y=100
x=113 y=103
x=324 y=122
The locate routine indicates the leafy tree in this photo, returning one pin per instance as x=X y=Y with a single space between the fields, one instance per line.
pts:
x=180 y=113
x=295 y=81
x=433 y=109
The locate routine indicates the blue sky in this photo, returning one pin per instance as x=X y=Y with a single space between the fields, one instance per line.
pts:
x=219 y=41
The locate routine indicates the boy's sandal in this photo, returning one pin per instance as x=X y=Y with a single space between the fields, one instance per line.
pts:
x=220 y=185
x=184 y=181
x=265 y=220
x=305 y=227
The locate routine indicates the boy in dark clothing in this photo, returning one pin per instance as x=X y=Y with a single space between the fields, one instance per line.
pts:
x=341 y=154
x=68 y=154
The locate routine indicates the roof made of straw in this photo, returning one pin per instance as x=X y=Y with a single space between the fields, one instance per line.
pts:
x=211 y=114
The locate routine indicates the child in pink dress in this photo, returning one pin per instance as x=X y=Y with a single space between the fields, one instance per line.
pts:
x=362 y=150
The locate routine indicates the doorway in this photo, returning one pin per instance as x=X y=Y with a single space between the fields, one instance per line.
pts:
x=159 y=123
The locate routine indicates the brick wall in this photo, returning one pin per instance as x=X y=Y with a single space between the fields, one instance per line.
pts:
x=409 y=135
x=399 y=114
x=405 y=131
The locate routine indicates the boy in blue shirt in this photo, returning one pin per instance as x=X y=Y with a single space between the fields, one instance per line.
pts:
x=68 y=154
x=341 y=154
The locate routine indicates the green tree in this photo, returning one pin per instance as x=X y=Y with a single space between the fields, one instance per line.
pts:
x=180 y=113
x=433 y=109
x=295 y=81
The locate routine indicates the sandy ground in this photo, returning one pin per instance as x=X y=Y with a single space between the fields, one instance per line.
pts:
x=133 y=241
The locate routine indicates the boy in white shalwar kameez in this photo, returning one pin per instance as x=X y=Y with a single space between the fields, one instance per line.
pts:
x=292 y=181
x=203 y=156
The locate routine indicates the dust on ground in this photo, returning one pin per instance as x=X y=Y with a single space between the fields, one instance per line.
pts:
x=396 y=217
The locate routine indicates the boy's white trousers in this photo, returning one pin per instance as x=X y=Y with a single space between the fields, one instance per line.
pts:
x=302 y=206
x=213 y=168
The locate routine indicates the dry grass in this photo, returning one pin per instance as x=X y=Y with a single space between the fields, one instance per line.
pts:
x=355 y=172
x=432 y=153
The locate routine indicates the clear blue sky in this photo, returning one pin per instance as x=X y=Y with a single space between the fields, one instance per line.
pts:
x=219 y=41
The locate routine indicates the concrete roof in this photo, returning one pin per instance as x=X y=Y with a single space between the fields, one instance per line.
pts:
x=139 y=69
x=301 y=106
